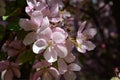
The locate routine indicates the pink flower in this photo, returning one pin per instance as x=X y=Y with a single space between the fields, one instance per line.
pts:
x=83 y=37
x=33 y=25
x=54 y=43
x=67 y=70
x=15 y=47
x=45 y=71
x=9 y=69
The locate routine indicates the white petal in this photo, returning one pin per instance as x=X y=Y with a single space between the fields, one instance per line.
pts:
x=50 y=55
x=54 y=72
x=62 y=66
x=29 y=38
x=61 y=50
x=69 y=75
x=74 y=67
x=39 y=46
x=69 y=58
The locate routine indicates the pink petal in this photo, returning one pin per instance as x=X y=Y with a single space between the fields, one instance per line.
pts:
x=3 y=65
x=56 y=20
x=47 y=76
x=36 y=18
x=62 y=66
x=74 y=67
x=54 y=72
x=39 y=46
x=69 y=45
x=50 y=55
x=44 y=33
x=8 y=75
x=69 y=75
x=29 y=38
x=82 y=26
x=90 y=46
x=58 y=29
x=16 y=44
x=43 y=63
x=16 y=72
x=45 y=23
x=36 y=75
x=27 y=25
x=82 y=48
x=70 y=58
x=58 y=37
x=31 y=3
x=54 y=10
x=90 y=33
x=61 y=50
x=12 y=52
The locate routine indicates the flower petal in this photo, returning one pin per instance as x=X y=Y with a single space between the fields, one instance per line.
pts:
x=82 y=26
x=54 y=72
x=36 y=75
x=29 y=38
x=69 y=58
x=90 y=33
x=16 y=72
x=82 y=48
x=39 y=46
x=74 y=67
x=36 y=18
x=62 y=66
x=44 y=33
x=45 y=23
x=43 y=63
x=69 y=75
x=58 y=37
x=8 y=75
x=47 y=76
x=50 y=55
x=12 y=52
x=90 y=46
x=27 y=25
x=3 y=65
x=61 y=50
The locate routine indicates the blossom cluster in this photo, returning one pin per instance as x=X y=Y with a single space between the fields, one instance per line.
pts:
x=50 y=42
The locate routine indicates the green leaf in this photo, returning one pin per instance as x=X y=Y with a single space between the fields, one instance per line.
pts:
x=28 y=56
x=114 y=78
x=2 y=31
x=14 y=26
x=4 y=17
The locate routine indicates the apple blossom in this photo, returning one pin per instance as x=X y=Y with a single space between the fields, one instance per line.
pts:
x=9 y=69
x=15 y=47
x=83 y=37
x=54 y=43
x=44 y=71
